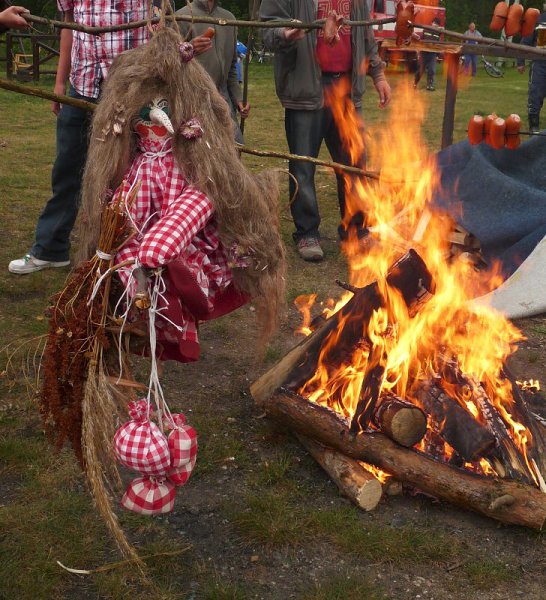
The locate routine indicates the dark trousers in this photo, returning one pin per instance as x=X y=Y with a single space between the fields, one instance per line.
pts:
x=537 y=88
x=427 y=64
x=59 y=215
x=305 y=131
x=471 y=60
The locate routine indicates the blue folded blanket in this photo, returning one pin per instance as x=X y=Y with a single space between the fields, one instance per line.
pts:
x=498 y=195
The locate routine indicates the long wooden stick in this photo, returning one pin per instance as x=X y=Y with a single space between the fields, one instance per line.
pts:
x=46 y=95
x=483 y=40
x=194 y=19
x=249 y=44
x=310 y=159
x=89 y=106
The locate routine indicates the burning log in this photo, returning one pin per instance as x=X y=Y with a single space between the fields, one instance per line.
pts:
x=403 y=422
x=455 y=425
x=352 y=479
x=513 y=463
x=409 y=276
x=538 y=448
x=481 y=494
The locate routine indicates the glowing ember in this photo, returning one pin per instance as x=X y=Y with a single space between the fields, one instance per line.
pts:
x=403 y=350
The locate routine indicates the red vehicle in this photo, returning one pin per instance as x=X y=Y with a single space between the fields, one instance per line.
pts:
x=425 y=12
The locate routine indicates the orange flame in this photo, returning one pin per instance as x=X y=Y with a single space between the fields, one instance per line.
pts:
x=410 y=349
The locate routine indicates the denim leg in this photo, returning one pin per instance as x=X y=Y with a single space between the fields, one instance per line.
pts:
x=537 y=88
x=304 y=136
x=339 y=154
x=58 y=217
x=474 y=61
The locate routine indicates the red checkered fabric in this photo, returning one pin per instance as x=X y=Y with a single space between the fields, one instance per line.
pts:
x=180 y=475
x=182 y=443
x=92 y=55
x=175 y=221
x=149 y=496
x=140 y=445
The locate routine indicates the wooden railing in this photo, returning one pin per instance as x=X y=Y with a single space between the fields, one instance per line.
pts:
x=26 y=53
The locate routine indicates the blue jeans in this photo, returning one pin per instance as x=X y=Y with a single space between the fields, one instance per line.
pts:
x=305 y=131
x=537 y=88
x=471 y=60
x=59 y=215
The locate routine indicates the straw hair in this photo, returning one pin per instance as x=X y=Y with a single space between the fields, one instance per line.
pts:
x=246 y=205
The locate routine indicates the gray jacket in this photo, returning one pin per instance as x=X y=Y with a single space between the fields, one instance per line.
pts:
x=297 y=73
x=220 y=61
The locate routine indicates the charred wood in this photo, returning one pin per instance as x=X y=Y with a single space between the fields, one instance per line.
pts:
x=455 y=425
x=409 y=276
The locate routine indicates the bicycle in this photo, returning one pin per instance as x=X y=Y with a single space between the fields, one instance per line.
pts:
x=489 y=67
x=259 y=53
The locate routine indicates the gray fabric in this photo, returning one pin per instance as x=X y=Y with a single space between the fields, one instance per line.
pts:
x=297 y=74
x=220 y=62
x=498 y=195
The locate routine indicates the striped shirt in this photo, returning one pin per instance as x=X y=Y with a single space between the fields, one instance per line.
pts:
x=92 y=55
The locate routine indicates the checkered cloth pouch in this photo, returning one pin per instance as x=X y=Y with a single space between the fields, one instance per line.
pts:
x=183 y=447
x=149 y=496
x=140 y=445
x=182 y=442
x=180 y=475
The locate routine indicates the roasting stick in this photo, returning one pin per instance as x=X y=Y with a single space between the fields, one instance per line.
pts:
x=319 y=24
x=538 y=52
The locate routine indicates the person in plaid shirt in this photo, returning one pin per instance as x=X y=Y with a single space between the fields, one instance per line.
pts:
x=83 y=62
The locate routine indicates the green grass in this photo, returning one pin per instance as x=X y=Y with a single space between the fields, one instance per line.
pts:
x=376 y=542
x=348 y=587
x=487 y=574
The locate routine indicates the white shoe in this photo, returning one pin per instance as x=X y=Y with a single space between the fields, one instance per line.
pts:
x=31 y=264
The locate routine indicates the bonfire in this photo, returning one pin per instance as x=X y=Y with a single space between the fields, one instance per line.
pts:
x=406 y=372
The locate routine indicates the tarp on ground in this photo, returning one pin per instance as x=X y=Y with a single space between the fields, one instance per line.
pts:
x=500 y=196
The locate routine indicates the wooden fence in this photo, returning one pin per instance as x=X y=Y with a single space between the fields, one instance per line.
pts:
x=27 y=53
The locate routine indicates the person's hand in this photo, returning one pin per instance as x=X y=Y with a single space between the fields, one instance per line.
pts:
x=201 y=44
x=293 y=35
x=60 y=90
x=11 y=17
x=384 y=92
x=244 y=109
x=521 y=69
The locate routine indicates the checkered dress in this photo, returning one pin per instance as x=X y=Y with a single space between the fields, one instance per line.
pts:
x=92 y=55
x=174 y=221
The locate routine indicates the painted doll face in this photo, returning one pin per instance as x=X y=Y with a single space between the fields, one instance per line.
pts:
x=153 y=120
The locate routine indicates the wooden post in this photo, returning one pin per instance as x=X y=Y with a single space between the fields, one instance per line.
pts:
x=452 y=61
x=9 y=55
x=35 y=60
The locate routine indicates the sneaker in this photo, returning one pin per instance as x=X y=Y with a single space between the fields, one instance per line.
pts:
x=31 y=264
x=309 y=249
x=431 y=88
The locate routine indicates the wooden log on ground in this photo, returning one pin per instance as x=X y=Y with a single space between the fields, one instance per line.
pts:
x=352 y=479
x=455 y=425
x=402 y=421
x=457 y=486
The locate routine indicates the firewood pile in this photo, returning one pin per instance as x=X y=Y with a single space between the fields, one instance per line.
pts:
x=449 y=438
